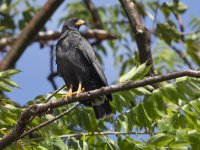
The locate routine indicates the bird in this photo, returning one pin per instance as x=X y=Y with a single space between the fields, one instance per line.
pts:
x=78 y=65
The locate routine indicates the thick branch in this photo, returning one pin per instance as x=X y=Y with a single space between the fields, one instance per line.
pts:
x=50 y=35
x=33 y=110
x=28 y=33
x=142 y=34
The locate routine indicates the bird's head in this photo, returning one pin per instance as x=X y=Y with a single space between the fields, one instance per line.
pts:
x=73 y=23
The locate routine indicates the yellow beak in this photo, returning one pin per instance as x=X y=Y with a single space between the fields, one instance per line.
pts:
x=79 y=22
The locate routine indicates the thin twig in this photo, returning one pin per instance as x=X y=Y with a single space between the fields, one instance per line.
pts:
x=105 y=138
x=155 y=15
x=182 y=56
x=100 y=133
x=55 y=92
x=94 y=134
x=94 y=12
x=182 y=29
x=51 y=78
x=48 y=122
x=95 y=17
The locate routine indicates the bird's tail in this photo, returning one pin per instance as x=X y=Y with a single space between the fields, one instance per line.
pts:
x=102 y=110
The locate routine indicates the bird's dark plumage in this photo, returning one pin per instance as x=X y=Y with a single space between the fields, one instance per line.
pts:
x=77 y=63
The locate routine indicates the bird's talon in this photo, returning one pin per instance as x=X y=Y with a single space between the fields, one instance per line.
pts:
x=64 y=97
x=80 y=89
x=83 y=90
x=69 y=94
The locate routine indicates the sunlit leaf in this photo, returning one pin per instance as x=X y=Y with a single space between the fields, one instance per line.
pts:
x=161 y=139
x=8 y=73
x=135 y=73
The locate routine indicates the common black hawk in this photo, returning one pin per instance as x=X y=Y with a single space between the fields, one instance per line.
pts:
x=79 y=67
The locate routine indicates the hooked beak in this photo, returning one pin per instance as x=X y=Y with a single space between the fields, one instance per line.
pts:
x=79 y=22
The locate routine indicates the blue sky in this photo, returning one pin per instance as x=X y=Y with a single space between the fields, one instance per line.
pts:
x=34 y=63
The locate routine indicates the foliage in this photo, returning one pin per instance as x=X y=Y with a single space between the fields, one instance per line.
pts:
x=9 y=111
x=163 y=118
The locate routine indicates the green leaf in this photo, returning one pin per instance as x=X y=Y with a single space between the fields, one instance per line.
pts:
x=163 y=126
x=188 y=110
x=182 y=145
x=193 y=48
x=83 y=142
x=91 y=142
x=42 y=148
x=9 y=72
x=143 y=117
x=3 y=87
x=128 y=76
x=181 y=135
x=161 y=139
x=181 y=7
x=170 y=92
x=123 y=120
x=58 y=143
x=135 y=73
x=119 y=101
x=196 y=104
x=141 y=71
x=158 y=103
x=141 y=91
x=9 y=82
x=168 y=32
x=123 y=144
x=194 y=139
x=84 y=120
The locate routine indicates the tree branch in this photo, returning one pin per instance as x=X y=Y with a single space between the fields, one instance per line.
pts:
x=100 y=133
x=34 y=110
x=55 y=92
x=51 y=78
x=28 y=33
x=182 y=29
x=48 y=122
x=93 y=134
x=52 y=73
x=142 y=34
x=50 y=35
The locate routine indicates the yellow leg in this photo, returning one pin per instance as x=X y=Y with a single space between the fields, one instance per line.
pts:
x=69 y=93
x=80 y=89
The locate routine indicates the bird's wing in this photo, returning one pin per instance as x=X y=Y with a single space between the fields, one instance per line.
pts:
x=59 y=54
x=87 y=50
